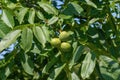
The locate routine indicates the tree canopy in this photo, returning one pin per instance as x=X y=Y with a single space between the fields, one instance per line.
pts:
x=60 y=39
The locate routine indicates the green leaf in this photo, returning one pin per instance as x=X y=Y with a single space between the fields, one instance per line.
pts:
x=36 y=76
x=73 y=9
x=109 y=68
x=74 y=76
x=4 y=29
x=78 y=52
x=2 y=74
x=40 y=15
x=7 y=18
x=56 y=72
x=27 y=63
x=40 y=35
x=11 y=5
x=91 y=3
x=21 y=14
x=26 y=39
x=31 y=16
x=93 y=20
x=35 y=50
x=48 y=8
x=52 y=20
x=77 y=7
x=88 y=65
x=75 y=46
x=46 y=32
x=65 y=16
x=51 y=63
x=2 y=34
x=8 y=69
x=9 y=39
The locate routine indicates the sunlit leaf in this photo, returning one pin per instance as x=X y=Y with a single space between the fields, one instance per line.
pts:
x=88 y=65
x=74 y=76
x=41 y=34
x=91 y=3
x=52 y=20
x=48 y=8
x=78 y=52
x=35 y=50
x=40 y=15
x=9 y=39
x=7 y=17
x=11 y=5
x=31 y=16
x=46 y=33
x=27 y=63
x=21 y=14
x=56 y=72
x=26 y=39
x=64 y=16
x=93 y=20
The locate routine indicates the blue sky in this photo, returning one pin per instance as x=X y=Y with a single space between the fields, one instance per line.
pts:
x=0 y=11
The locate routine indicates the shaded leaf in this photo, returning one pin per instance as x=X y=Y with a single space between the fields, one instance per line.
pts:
x=51 y=63
x=9 y=39
x=109 y=68
x=4 y=29
x=2 y=74
x=2 y=33
x=73 y=9
x=77 y=7
x=6 y=71
x=7 y=17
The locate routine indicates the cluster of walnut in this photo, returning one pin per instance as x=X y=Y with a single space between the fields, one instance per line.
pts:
x=61 y=42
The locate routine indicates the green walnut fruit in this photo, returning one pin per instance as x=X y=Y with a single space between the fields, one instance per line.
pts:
x=65 y=47
x=64 y=36
x=55 y=42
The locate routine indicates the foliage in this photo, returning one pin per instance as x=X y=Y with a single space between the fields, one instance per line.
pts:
x=93 y=28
